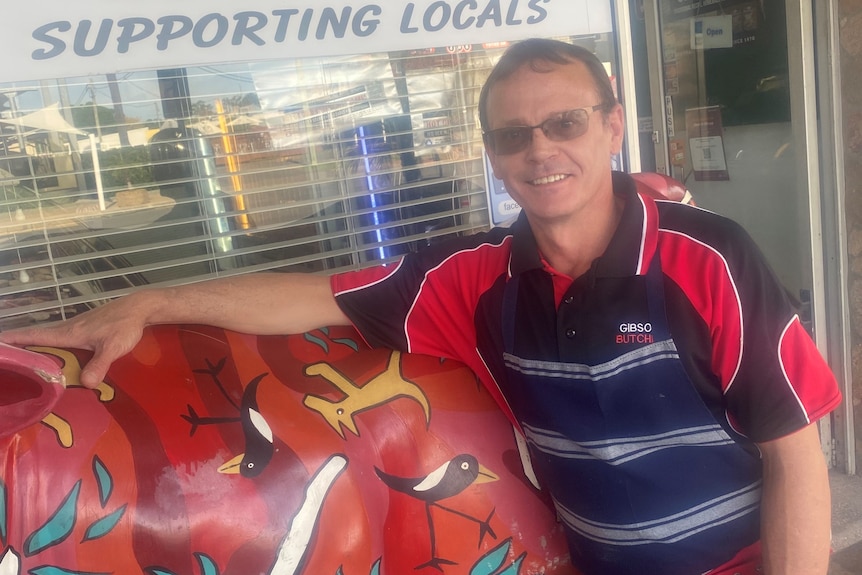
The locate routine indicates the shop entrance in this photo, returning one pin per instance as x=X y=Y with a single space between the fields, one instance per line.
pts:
x=730 y=111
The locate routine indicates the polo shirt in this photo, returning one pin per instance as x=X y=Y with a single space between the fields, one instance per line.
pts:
x=737 y=330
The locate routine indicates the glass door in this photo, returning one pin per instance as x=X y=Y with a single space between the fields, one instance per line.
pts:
x=730 y=112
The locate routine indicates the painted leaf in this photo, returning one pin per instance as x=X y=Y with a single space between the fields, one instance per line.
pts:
x=375 y=569
x=318 y=341
x=208 y=566
x=51 y=570
x=159 y=571
x=2 y=513
x=58 y=526
x=348 y=342
x=103 y=479
x=515 y=567
x=104 y=525
x=492 y=560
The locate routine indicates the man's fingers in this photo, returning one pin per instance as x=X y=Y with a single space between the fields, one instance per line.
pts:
x=51 y=336
x=106 y=331
x=27 y=336
x=93 y=373
x=108 y=350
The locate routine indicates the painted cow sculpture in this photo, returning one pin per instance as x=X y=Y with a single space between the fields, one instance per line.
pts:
x=208 y=452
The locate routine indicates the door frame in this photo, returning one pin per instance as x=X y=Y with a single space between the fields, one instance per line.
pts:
x=835 y=234
x=819 y=169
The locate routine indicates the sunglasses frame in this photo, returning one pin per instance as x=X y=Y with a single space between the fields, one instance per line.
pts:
x=488 y=138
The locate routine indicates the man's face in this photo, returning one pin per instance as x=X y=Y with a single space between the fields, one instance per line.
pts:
x=555 y=181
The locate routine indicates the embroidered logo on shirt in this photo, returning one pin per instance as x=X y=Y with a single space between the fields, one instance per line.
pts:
x=635 y=333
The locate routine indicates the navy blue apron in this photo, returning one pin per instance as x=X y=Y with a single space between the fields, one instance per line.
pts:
x=643 y=477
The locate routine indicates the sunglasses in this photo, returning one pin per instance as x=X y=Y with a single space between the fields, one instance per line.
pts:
x=561 y=128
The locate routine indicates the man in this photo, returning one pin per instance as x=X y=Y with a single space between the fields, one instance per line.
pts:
x=664 y=384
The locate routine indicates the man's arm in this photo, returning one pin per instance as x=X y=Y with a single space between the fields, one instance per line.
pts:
x=260 y=304
x=796 y=512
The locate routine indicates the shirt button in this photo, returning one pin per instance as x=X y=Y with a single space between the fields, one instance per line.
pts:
x=569 y=299
x=570 y=333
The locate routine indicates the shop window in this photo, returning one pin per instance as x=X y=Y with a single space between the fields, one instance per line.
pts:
x=164 y=177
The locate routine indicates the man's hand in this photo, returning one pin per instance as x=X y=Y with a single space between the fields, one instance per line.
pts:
x=267 y=303
x=110 y=331
x=796 y=512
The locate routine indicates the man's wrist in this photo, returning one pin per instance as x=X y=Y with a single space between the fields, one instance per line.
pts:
x=150 y=306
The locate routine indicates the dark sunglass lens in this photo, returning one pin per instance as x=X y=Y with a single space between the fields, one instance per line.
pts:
x=509 y=140
x=568 y=126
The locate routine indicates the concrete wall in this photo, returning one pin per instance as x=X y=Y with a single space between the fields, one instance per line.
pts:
x=850 y=30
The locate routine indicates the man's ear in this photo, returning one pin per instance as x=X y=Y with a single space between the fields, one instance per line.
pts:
x=617 y=126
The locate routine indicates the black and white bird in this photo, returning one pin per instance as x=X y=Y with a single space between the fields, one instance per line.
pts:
x=446 y=481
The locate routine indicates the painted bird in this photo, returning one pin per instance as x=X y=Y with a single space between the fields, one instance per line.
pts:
x=446 y=481
x=258 y=436
x=256 y=431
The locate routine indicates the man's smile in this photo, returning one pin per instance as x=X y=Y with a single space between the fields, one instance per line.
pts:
x=548 y=179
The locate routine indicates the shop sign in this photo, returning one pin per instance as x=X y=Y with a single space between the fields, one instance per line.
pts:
x=712 y=32
x=58 y=38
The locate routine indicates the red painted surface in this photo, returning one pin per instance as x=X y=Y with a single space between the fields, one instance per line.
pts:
x=127 y=479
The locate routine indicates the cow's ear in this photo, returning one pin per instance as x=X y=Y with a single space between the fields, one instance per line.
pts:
x=32 y=384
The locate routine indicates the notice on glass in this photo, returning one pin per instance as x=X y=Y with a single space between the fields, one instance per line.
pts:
x=706 y=143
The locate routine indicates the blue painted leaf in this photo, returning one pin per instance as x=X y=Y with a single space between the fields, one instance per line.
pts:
x=50 y=570
x=2 y=514
x=339 y=571
x=318 y=341
x=515 y=567
x=208 y=566
x=492 y=560
x=103 y=479
x=325 y=331
x=348 y=342
x=104 y=525
x=58 y=526
x=375 y=569
x=159 y=571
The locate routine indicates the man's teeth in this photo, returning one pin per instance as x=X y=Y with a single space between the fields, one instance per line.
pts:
x=548 y=179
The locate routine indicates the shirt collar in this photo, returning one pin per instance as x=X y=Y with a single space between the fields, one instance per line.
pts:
x=632 y=245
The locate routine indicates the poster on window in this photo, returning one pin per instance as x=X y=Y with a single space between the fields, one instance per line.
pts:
x=502 y=208
x=706 y=143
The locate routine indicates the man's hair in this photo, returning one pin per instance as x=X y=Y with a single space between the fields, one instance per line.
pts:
x=538 y=53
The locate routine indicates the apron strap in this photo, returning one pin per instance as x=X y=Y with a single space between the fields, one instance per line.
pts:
x=510 y=306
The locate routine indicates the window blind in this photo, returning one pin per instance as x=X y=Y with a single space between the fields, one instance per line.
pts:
x=174 y=176
x=166 y=177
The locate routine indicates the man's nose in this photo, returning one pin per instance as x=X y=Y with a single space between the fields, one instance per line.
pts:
x=540 y=146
